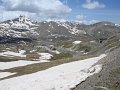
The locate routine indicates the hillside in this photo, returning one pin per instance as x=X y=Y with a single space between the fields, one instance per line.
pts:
x=108 y=78
x=55 y=37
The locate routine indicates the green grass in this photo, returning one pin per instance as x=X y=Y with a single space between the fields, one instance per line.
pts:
x=32 y=56
x=65 y=44
x=62 y=55
x=9 y=59
x=82 y=47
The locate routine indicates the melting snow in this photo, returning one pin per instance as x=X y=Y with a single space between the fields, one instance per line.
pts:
x=45 y=56
x=77 y=42
x=117 y=25
x=92 y=41
x=5 y=74
x=8 y=65
x=99 y=32
x=72 y=30
x=62 y=77
x=12 y=54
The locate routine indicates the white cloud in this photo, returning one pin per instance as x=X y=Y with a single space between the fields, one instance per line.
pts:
x=88 y=22
x=92 y=21
x=6 y=15
x=83 y=19
x=93 y=5
x=80 y=17
x=42 y=8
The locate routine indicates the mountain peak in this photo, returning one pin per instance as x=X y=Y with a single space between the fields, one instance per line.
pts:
x=19 y=22
x=23 y=19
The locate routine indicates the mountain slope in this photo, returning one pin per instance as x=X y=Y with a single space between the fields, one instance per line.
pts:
x=58 y=37
x=108 y=78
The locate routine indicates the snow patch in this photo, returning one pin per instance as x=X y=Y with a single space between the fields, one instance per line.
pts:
x=77 y=42
x=45 y=56
x=92 y=41
x=13 y=64
x=57 y=52
x=106 y=24
x=72 y=30
x=62 y=77
x=5 y=74
x=117 y=25
x=99 y=32
x=12 y=54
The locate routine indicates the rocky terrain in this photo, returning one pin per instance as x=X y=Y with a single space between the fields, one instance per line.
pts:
x=108 y=78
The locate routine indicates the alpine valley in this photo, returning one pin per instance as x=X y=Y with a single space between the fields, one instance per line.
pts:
x=73 y=55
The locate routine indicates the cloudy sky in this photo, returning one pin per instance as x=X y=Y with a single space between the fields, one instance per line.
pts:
x=86 y=11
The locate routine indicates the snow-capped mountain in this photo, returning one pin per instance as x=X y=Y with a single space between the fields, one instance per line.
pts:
x=20 y=22
x=21 y=27
x=60 y=34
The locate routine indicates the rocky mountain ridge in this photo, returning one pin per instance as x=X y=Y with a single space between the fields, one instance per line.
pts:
x=57 y=37
x=18 y=29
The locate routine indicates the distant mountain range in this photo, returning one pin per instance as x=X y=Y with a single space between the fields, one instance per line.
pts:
x=61 y=35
